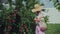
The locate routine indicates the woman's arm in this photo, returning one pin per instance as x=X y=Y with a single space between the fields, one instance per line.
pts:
x=41 y=17
x=36 y=19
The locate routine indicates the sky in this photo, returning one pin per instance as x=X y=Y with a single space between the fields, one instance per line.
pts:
x=47 y=3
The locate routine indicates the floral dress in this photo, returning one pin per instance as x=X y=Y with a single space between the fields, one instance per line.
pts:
x=41 y=23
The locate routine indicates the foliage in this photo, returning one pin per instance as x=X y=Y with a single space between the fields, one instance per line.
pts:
x=53 y=29
x=23 y=8
x=57 y=4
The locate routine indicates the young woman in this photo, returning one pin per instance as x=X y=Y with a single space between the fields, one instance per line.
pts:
x=39 y=19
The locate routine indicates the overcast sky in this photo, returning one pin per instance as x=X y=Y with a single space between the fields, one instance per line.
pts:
x=47 y=3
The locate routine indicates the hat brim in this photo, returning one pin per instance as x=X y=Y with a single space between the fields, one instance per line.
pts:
x=36 y=9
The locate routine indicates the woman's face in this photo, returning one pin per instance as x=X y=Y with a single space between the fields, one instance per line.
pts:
x=38 y=12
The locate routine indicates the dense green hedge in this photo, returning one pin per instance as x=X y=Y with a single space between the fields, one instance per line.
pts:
x=24 y=11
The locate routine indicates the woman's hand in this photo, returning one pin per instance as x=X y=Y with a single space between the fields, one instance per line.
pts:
x=41 y=16
x=37 y=20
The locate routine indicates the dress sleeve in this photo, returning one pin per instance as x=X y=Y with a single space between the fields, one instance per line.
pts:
x=44 y=14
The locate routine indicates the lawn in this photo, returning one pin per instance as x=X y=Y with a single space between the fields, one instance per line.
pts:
x=53 y=29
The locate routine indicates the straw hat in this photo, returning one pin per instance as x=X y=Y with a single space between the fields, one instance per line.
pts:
x=37 y=7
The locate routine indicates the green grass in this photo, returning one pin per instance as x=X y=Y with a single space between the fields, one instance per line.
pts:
x=53 y=29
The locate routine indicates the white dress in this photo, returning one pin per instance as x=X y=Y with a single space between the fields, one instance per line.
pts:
x=41 y=23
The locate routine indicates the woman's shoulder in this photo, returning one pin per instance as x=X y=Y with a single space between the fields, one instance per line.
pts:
x=43 y=12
